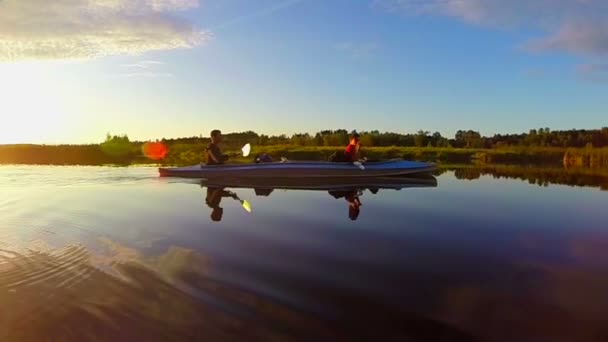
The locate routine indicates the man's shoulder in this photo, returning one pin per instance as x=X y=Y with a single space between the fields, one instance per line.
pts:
x=211 y=146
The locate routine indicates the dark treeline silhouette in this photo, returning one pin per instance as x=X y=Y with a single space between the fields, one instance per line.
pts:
x=587 y=148
x=542 y=137
x=541 y=146
x=114 y=150
x=59 y=155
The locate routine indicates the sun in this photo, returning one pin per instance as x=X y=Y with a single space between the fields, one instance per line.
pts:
x=32 y=107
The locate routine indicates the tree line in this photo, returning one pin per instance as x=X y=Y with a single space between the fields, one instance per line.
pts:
x=543 y=137
x=542 y=146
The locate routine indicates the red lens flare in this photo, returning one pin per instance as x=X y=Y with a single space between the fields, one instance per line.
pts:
x=155 y=150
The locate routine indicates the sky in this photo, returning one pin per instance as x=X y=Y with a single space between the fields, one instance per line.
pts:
x=73 y=70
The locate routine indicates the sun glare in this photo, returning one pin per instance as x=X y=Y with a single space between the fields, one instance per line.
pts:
x=32 y=105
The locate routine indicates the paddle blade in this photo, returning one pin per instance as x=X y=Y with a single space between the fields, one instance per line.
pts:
x=247 y=206
x=246 y=150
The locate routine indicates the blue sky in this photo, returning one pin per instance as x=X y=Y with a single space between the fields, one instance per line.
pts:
x=170 y=68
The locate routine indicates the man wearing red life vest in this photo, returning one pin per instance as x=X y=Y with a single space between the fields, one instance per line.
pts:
x=351 y=153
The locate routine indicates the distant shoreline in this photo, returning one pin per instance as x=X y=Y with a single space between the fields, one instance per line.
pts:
x=573 y=148
x=190 y=154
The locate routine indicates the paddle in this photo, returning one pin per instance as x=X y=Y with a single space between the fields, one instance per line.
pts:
x=245 y=204
x=245 y=151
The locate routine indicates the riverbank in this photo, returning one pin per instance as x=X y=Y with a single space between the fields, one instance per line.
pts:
x=189 y=154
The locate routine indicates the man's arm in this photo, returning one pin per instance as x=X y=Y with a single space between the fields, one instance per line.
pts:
x=217 y=156
x=229 y=194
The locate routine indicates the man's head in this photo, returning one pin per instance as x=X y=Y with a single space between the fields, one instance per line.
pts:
x=216 y=136
x=354 y=138
x=216 y=214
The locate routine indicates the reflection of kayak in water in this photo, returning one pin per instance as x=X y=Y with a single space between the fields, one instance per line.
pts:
x=301 y=169
x=326 y=184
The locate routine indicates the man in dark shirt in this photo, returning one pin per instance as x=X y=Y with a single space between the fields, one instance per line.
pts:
x=213 y=200
x=214 y=154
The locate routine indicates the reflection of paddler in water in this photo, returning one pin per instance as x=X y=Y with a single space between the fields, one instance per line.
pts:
x=213 y=200
x=354 y=203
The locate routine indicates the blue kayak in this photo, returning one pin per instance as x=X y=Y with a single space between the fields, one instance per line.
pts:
x=301 y=169
x=324 y=183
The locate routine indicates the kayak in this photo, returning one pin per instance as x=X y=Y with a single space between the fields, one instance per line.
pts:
x=301 y=169
x=324 y=183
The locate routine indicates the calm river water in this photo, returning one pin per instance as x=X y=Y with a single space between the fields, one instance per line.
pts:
x=101 y=253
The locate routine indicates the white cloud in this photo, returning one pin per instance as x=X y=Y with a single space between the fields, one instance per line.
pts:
x=573 y=26
x=81 y=29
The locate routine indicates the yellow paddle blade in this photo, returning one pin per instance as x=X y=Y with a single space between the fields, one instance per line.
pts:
x=247 y=206
x=246 y=150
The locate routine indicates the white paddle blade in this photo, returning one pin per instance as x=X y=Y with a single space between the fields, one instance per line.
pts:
x=359 y=165
x=246 y=150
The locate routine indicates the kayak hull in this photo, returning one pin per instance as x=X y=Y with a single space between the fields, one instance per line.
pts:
x=325 y=184
x=300 y=170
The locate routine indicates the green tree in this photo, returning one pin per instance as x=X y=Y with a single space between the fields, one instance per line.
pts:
x=117 y=145
x=421 y=138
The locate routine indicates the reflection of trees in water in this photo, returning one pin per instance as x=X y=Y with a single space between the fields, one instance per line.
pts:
x=469 y=174
x=538 y=176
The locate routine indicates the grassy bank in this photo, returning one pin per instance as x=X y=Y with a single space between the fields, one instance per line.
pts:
x=65 y=155
x=193 y=153
x=586 y=157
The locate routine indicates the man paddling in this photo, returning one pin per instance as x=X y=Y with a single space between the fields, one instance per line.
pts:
x=352 y=197
x=351 y=153
x=214 y=199
x=214 y=154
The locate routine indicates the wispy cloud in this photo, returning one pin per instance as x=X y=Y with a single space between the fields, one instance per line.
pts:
x=572 y=26
x=146 y=69
x=82 y=29
x=576 y=37
x=357 y=50
x=593 y=72
x=143 y=64
x=147 y=74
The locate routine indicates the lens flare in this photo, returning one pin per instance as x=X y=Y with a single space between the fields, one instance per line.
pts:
x=155 y=150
